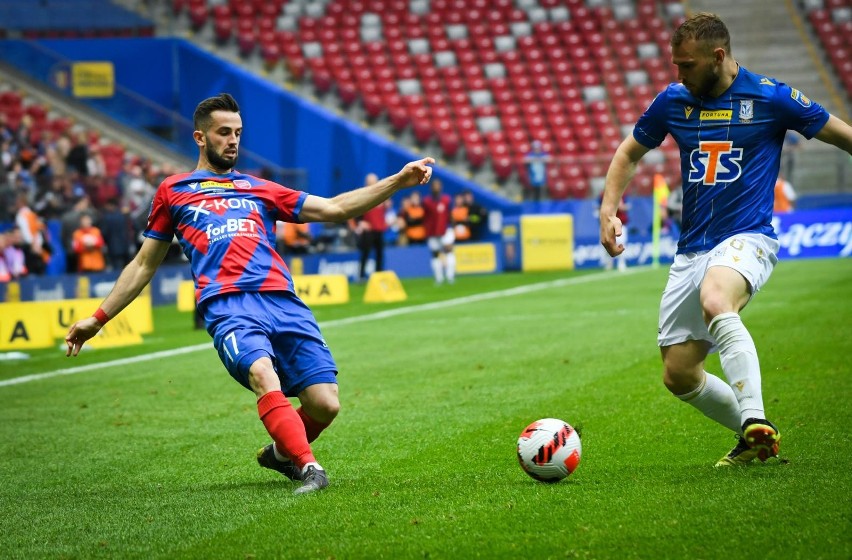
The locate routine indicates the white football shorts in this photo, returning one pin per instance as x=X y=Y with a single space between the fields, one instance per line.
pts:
x=751 y=254
x=437 y=244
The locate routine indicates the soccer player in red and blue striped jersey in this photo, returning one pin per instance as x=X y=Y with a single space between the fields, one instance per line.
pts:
x=266 y=337
x=729 y=124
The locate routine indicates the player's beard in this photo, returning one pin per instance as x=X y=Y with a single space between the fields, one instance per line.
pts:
x=708 y=82
x=219 y=161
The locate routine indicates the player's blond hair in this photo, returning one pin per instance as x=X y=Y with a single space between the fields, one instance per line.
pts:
x=705 y=28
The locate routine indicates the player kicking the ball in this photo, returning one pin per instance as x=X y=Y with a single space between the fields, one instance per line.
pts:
x=265 y=335
x=730 y=124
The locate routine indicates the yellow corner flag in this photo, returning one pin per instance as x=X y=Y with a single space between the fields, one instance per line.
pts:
x=384 y=287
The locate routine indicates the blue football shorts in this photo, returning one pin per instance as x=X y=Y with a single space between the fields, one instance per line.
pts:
x=248 y=326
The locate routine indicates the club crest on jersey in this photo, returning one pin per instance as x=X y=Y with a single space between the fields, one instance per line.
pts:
x=800 y=97
x=746 y=110
x=242 y=184
x=715 y=162
x=719 y=115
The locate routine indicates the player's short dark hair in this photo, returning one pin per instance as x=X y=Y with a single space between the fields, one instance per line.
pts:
x=703 y=27
x=223 y=102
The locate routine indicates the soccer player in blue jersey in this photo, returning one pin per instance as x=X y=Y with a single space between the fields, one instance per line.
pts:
x=266 y=337
x=729 y=124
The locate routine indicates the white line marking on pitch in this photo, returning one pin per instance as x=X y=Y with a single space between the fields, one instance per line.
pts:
x=520 y=290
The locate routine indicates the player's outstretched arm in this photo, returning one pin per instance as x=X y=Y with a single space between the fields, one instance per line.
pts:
x=621 y=170
x=836 y=132
x=132 y=279
x=354 y=203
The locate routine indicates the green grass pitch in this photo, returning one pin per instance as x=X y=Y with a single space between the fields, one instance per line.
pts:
x=155 y=459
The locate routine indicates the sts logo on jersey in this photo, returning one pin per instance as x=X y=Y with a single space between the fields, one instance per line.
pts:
x=715 y=162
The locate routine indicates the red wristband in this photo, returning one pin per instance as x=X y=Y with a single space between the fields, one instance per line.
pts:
x=101 y=316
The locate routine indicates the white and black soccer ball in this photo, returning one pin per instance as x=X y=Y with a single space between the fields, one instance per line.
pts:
x=549 y=449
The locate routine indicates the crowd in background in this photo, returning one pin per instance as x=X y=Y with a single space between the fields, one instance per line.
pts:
x=48 y=175
x=401 y=225
x=62 y=176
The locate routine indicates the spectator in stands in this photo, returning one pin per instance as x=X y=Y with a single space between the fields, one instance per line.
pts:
x=88 y=243
x=52 y=204
x=439 y=235
x=95 y=164
x=36 y=246
x=477 y=215
x=369 y=231
x=12 y=254
x=138 y=192
x=460 y=219
x=727 y=248
x=21 y=179
x=392 y=232
x=4 y=268
x=785 y=196
x=6 y=132
x=70 y=221
x=293 y=238
x=56 y=151
x=412 y=220
x=78 y=155
x=536 y=161
x=117 y=230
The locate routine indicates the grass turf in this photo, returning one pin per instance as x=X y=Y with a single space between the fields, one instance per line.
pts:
x=155 y=459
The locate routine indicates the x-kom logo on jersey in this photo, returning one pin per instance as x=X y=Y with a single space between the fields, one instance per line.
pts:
x=715 y=162
x=198 y=210
x=220 y=205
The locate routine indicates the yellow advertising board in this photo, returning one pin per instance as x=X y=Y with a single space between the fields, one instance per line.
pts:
x=547 y=242
x=92 y=79
x=118 y=332
x=21 y=328
x=475 y=258
x=65 y=313
x=38 y=324
x=186 y=296
x=384 y=287
x=322 y=289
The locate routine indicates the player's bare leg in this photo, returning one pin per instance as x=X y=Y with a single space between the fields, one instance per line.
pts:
x=320 y=406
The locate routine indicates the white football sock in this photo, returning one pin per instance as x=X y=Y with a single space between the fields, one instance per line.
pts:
x=438 y=269
x=717 y=401
x=317 y=465
x=739 y=362
x=279 y=456
x=451 y=267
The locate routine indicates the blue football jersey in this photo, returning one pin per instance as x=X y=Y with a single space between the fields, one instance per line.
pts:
x=730 y=152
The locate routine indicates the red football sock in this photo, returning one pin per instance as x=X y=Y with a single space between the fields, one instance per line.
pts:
x=313 y=428
x=285 y=427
